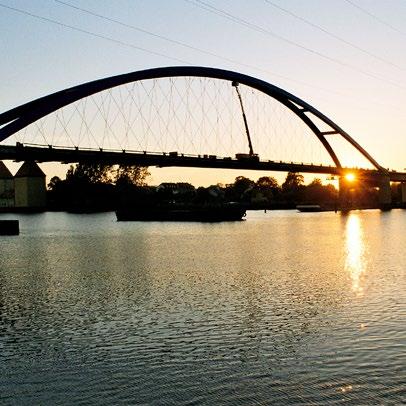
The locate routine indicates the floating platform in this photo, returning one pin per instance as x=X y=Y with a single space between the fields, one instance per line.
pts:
x=9 y=227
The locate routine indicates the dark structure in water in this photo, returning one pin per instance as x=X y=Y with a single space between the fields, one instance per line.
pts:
x=226 y=212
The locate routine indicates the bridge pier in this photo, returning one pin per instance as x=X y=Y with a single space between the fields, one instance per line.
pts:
x=385 y=193
x=344 y=194
x=403 y=194
x=347 y=192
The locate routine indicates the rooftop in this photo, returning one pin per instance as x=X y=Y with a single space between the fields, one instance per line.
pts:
x=4 y=172
x=29 y=169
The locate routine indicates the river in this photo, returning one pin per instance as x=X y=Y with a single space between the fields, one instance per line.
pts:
x=283 y=308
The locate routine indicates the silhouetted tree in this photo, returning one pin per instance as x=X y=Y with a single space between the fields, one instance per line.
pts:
x=58 y=193
x=293 y=181
x=239 y=190
x=131 y=175
x=90 y=173
x=267 y=182
x=211 y=195
x=54 y=183
x=315 y=192
x=292 y=188
x=269 y=189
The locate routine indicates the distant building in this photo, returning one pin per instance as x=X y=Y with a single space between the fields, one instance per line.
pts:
x=6 y=187
x=29 y=185
x=176 y=188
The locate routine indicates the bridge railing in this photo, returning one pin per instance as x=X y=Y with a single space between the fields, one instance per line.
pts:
x=171 y=153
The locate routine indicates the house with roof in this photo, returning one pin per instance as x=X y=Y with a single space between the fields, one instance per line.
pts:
x=29 y=187
x=6 y=187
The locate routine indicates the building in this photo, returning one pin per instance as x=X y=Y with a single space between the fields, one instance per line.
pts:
x=29 y=186
x=6 y=187
x=176 y=188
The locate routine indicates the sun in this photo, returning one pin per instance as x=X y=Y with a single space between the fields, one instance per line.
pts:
x=350 y=177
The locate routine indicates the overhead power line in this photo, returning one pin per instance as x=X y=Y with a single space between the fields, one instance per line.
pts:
x=129 y=45
x=332 y=35
x=164 y=38
x=133 y=27
x=194 y=48
x=93 y=34
x=375 y=17
x=224 y=14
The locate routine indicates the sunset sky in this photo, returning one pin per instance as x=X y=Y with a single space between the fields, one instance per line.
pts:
x=345 y=57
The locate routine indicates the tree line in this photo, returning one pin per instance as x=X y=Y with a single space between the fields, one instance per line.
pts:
x=94 y=187
x=99 y=187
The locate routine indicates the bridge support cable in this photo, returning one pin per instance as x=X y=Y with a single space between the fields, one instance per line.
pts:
x=19 y=118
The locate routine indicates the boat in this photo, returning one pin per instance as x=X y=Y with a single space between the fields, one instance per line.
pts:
x=310 y=208
x=209 y=214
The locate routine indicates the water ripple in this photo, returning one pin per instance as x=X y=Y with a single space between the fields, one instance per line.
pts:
x=283 y=308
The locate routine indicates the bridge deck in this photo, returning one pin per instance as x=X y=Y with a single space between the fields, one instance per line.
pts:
x=143 y=158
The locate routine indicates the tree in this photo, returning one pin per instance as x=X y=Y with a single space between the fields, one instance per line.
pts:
x=107 y=174
x=293 y=181
x=54 y=183
x=57 y=194
x=315 y=192
x=131 y=175
x=242 y=185
x=237 y=190
x=210 y=195
x=267 y=188
x=267 y=183
x=89 y=173
x=292 y=188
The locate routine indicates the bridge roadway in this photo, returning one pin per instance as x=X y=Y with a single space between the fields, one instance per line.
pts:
x=21 y=152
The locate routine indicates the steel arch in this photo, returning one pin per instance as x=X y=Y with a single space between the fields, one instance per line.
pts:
x=20 y=117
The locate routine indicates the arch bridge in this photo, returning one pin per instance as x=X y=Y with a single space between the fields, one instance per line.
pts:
x=187 y=117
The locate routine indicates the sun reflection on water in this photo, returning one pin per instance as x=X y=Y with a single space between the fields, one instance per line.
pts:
x=355 y=253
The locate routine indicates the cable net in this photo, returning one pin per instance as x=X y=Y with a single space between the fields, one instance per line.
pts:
x=189 y=115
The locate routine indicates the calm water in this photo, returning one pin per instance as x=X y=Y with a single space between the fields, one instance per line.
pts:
x=284 y=308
